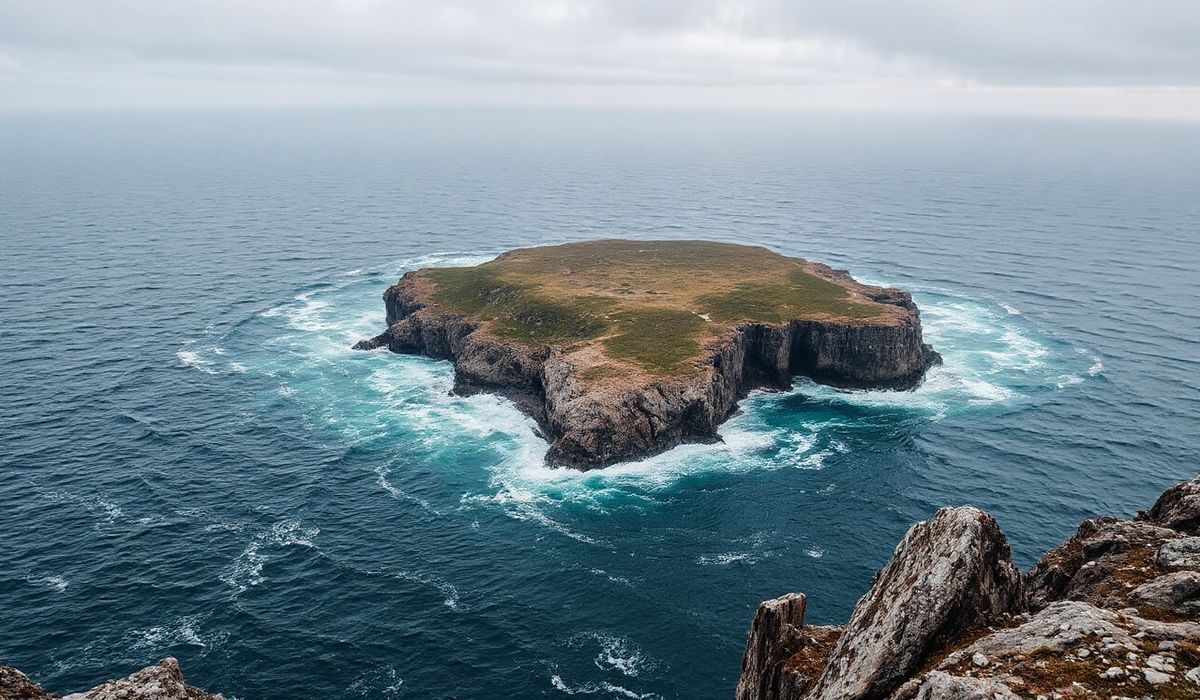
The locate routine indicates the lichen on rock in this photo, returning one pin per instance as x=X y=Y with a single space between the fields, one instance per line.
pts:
x=1113 y=612
x=162 y=681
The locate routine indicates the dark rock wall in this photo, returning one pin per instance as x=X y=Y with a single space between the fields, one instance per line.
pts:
x=590 y=427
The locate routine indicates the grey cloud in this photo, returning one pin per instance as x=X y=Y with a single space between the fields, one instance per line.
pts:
x=685 y=43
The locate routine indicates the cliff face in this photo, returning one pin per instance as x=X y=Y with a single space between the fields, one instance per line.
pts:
x=1113 y=612
x=596 y=412
x=163 y=681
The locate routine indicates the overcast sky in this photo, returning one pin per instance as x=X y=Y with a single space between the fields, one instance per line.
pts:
x=1137 y=58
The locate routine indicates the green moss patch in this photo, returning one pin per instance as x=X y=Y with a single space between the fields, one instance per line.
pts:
x=801 y=295
x=518 y=312
x=661 y=340
x=640 y=299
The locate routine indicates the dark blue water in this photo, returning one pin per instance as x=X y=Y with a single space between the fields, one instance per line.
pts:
x=194 y=464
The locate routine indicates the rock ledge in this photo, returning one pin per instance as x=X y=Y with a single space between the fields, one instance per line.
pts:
x=1114 y=612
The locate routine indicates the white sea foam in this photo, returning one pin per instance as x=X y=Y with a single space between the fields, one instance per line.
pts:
x=399 y=494
x=751 y=551
x=245 y=571
x=989 y=358
x=184 y=630
x=451 y=598
x=110 y=512
x=593 y=688
x=815 y=552
x=615 y=579
x=379 y=682
x=57 y=583
x=615 y=653
x=191 y=358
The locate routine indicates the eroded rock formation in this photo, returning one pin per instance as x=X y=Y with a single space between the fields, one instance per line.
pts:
x=1113 y=612
x=597 y=406
x=163 y=681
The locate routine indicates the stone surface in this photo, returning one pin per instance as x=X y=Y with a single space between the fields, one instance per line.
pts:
x=15 y=685
x=1182 y=553
x=950 y=574
x=1177 y=508
x=939 y=685
x=163 y=681
x=1115 y=614
x=1103 y=560
x=1176 y=591
x=598 y=407
x=783 y=655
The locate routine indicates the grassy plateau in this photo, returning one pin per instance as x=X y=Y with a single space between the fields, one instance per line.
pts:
x=655 y=304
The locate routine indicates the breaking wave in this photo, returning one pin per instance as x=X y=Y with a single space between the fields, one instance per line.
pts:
x=991 y=357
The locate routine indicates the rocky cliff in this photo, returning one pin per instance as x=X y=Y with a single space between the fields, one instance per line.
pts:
x=163 y=681
x=601 y=392
x=1112 y=613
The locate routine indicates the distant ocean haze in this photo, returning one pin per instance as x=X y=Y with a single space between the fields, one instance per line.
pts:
x=196 y=464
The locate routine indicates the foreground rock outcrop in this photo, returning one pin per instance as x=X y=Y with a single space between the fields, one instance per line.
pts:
x=1112 y=613
x=623 y=349
x=163 y=681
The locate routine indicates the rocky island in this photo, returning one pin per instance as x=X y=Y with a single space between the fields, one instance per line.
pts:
x=624 y=349
x=1114 y=612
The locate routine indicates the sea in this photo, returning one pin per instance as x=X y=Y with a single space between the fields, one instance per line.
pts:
x=194 y=463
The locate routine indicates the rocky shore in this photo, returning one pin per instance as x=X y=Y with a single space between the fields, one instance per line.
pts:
x=163 y=681
x=1114 y=612
x=595 y=398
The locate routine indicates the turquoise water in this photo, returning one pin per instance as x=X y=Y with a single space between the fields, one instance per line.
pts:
x=194 y=462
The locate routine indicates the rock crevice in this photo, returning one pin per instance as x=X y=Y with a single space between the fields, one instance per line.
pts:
x=1113 y=612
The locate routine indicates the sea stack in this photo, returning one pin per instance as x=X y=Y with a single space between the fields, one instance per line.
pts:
x=623 y=349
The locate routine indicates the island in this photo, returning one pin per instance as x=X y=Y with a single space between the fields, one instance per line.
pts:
x=623 y=349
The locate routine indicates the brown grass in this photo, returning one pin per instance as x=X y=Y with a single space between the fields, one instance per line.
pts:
x=652 y=303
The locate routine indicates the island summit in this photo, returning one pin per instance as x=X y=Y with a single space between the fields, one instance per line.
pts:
x=624 y=349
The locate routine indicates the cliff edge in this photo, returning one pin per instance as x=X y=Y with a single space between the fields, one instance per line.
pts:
x=624 y=349
x=163 y=681
x=1114 y=612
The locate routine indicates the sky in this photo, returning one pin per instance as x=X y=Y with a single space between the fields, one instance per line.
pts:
x=1095 y=58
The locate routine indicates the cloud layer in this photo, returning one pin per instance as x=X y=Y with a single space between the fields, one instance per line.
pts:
x=1065 y=56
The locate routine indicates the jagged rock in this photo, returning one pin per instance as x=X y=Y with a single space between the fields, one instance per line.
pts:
x=597 y=406
x=1176 y=592
x=781 y=652
x=939 y=685
x=1182 y=553
x=15 y=685
x=950 y=574
x=163 y=681
x=1045 y=653
x=1177 y=508
x=1116 y=614
x=1101 y=562
x=1065 y=625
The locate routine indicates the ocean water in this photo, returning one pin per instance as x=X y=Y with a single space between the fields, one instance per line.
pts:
x=194 y=463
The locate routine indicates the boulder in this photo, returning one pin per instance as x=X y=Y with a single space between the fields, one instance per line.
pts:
x=783 y=655
x=163 y=681
x=15 y=685
x=1177 y=508
x=1176 y=592
x=1100 y=563
x=1182 y=553
x=949 y=575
